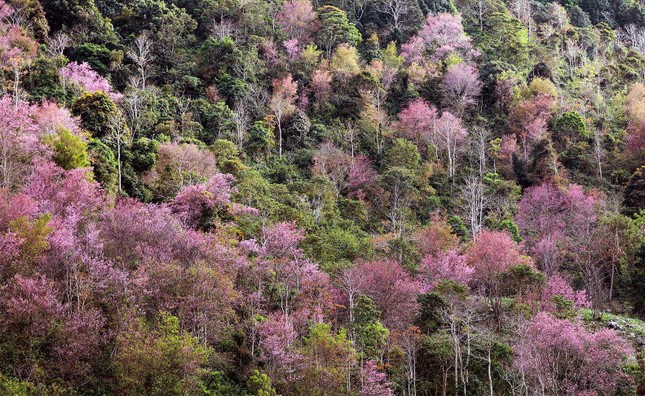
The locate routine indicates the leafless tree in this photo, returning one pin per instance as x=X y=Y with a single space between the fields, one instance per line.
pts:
x=486 y=339
x=221 y=28
x=460 y=316
x=396 y=10
x=574 y=54
x=635 y=37
x=558 y=16
x=242 y=117
x=351 y=282
x=474 y=202
x=118 y=135
x=598 y=150
x=479 y=138
x=474 y=10
x=522 y=9
x=410 y=341
x=133 y=107
x=350 y=133
x=57 y=43
x=141 y=53
x=185 y=115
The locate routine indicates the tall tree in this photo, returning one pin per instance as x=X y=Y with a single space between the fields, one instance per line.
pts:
x=282 y=103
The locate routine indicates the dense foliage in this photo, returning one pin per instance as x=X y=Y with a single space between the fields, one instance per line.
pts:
x=367 y=197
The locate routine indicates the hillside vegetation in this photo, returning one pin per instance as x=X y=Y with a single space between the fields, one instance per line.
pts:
x=296 y=197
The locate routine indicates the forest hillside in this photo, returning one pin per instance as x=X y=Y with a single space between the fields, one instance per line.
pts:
x=298 y=197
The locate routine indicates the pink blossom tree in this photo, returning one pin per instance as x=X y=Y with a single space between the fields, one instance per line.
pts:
x=321 y=85
x=300 y=289
x=436 y=237
x=392 y=289
x=297 y=19
x=562 y=358
x=461 y=87
x=360 y=177
x=277 y=347
x=196 y=205
x=19 y=141
x=281 y=240
x=558 y=286
x=442 y=35
x=17 y=49
x=417 y=122
x=448 y=265
x=31 y=313
x=373 y=381
x=333 y=163
x=491 y=255
x=50 y=117
x=551 y=220
x=83 y=77
x=528 y=119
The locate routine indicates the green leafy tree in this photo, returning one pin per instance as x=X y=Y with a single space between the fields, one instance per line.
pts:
x=103 y=164
x=335 y=28
x=635 y=191
x=328 y=357
x=95 y=111
x=370 y=334
x=637 y=281
x=260 y=139
x=227 y=156
x=82 y=14
x=260 y=384
x=336 y=248
x=70 y=151
x=99 y=57
x=159 y=360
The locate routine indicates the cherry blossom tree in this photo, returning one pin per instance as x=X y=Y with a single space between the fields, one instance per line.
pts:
x=298 y=20
x=461 y=87
x=17 y=49
x=491 y=255
x=360 y=176
x=31 y=313
x=448 y=265
x=551 y=219
x=333 y=163
x=50 y=118
x=417 y=122
x=442 y=35
x=436 y=237
x=528 y=119
x=197 y=205
x=634 y=104
x=179 y=166
x=84 y=77
x=561 y=357
x=373 y=381
x=277 y=343
x=321 y=85
x=19 y=141
x=392 y=289
x=558 y=286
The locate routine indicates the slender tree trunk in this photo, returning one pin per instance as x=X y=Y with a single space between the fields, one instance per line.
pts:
x=118 y=149
x=490 y=374
x=279 y=119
